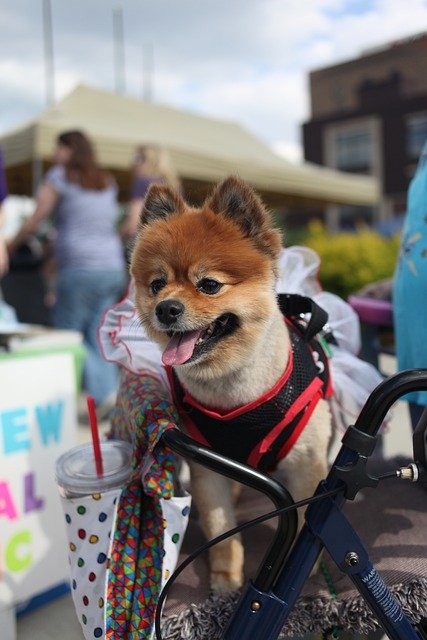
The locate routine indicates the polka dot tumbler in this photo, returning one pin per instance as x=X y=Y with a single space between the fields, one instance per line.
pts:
x=90 y=505
x=90 y=520
x=89 y=523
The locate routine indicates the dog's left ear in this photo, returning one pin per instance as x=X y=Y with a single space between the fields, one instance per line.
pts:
x=237 y=201
x=160 y=202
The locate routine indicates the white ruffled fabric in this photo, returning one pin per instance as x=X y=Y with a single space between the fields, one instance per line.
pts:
x=124 y=341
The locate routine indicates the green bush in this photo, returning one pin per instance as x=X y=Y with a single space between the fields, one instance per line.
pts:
x=349 y=261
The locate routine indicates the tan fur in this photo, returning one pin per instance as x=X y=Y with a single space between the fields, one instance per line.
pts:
x=230 y=239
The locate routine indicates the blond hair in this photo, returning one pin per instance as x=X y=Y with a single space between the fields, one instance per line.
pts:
x=153 y=160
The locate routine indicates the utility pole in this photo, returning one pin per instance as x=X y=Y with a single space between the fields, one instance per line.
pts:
x=147 y=71
x=48 y=53
x=119 y=50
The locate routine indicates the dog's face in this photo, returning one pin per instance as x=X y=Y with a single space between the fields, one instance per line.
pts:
x=205 y=277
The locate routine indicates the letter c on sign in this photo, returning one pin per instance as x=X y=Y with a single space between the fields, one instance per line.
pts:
x=16 y=558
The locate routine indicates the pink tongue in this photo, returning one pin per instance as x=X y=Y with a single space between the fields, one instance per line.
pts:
x=180 y=347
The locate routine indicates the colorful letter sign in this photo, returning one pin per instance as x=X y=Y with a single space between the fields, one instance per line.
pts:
x=37 y=424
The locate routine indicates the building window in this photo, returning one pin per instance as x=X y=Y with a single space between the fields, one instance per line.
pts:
x=354 y=150
x=416 y=135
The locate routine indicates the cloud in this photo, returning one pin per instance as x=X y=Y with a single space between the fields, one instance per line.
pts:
x=246 y=60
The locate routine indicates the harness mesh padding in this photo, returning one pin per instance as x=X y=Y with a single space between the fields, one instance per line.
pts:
x=238 y=436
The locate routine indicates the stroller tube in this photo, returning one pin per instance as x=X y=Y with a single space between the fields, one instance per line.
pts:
x=386 y=394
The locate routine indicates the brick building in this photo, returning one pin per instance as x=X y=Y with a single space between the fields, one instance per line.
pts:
x=369 y=115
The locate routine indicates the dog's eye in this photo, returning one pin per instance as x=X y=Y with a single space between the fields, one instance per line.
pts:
x=209 y=286
x=156 y=285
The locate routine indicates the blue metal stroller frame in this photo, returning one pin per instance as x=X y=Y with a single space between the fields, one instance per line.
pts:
x=268 y=599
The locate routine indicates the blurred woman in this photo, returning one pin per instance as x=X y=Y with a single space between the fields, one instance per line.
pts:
x=87 y=249
x=151 y=164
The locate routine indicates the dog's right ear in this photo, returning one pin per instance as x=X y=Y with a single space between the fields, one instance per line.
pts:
x=160 y=202
x=237 y=201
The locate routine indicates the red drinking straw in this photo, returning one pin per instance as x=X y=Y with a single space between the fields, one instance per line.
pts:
x=93 y=421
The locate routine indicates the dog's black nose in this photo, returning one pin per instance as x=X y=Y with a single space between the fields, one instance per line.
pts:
x=169 y=311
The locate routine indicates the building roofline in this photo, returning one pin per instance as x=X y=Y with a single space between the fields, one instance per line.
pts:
x=373 y=52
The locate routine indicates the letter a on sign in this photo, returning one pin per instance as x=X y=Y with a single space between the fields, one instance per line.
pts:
x=7 y=506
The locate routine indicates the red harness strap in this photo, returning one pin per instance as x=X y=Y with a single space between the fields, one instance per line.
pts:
x=262 y=432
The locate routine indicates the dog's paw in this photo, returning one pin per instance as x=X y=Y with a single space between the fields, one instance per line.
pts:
x=226 y=565
x=225 y=580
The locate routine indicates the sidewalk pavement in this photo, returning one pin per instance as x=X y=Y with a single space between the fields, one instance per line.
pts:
x=58 y=620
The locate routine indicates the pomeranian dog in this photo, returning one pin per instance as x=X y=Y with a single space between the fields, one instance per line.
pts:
x=205 y=292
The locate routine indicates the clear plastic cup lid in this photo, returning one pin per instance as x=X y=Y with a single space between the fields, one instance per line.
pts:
x=75 y=470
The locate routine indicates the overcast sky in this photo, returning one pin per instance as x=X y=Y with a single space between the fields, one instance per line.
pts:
x=246 y=60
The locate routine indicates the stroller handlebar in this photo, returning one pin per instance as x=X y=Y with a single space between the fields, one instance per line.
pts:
x=386 y=394
x=287 y=522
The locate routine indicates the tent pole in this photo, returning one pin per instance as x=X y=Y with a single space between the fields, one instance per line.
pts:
x=119 y=50
x=147 y=71
x=48 y=53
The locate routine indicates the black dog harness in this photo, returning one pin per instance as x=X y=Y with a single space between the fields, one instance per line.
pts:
x=262 y=432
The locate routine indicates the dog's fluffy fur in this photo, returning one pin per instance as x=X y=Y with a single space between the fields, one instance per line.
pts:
x=216 y=267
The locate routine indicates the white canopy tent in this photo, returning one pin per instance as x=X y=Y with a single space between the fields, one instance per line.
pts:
x=203 y=150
